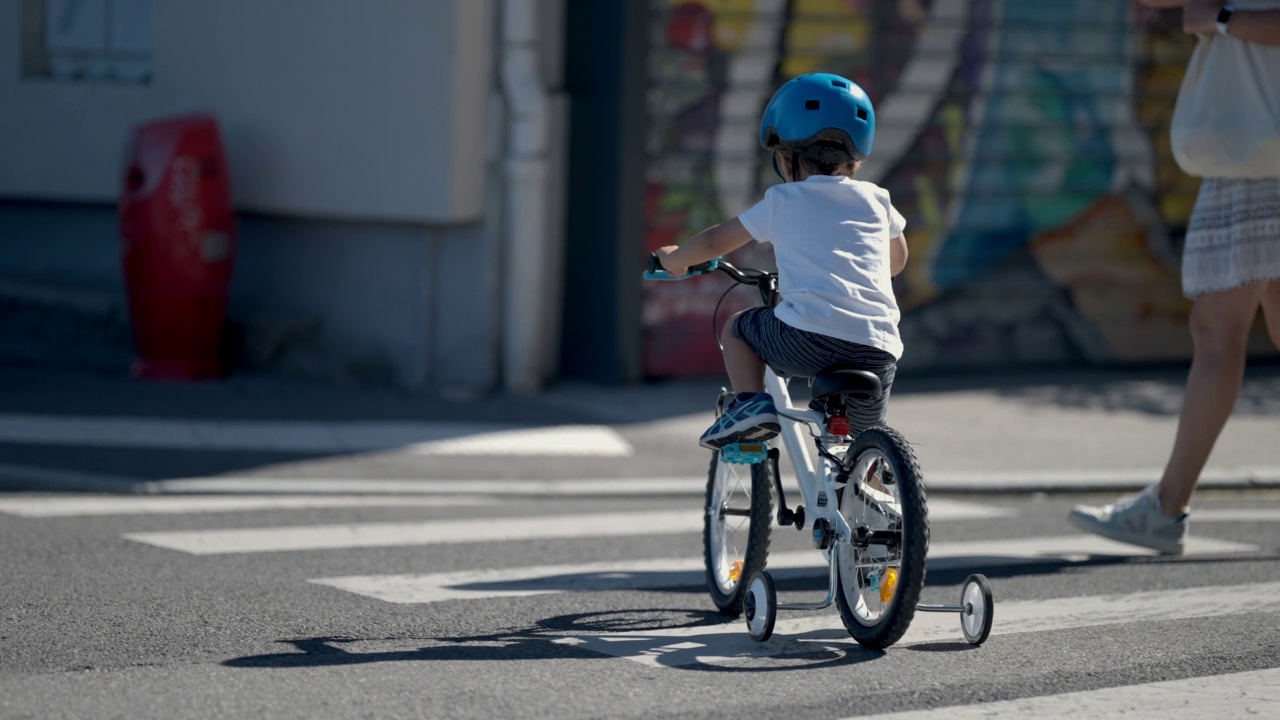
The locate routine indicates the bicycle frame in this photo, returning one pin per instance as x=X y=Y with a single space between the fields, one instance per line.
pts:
x=819 y=492
x=793 y=422
x=809 y=478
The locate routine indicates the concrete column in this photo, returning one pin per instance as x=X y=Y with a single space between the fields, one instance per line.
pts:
x=533 y=188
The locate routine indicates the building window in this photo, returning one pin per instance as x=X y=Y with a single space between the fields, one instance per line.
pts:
x=87 y=40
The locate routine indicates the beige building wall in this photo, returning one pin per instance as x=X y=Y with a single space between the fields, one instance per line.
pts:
x=329 y=108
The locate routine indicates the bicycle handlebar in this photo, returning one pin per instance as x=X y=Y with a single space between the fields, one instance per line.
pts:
x=744 y=277
x=765 y=282
x=655 y=270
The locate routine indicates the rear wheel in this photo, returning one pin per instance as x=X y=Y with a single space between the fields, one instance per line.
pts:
x=736 y=528
x=882 y=571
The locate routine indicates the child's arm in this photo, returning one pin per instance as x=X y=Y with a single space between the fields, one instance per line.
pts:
x=711 y=243
x=897 y=254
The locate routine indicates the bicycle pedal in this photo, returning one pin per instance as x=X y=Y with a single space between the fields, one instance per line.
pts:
x=745 y=453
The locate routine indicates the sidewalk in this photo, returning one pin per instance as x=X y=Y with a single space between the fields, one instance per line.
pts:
x=1051 y=431
x=1063 y=430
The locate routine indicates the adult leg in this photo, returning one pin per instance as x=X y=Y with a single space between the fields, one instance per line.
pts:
x=1220 y=324
x=1271 y=311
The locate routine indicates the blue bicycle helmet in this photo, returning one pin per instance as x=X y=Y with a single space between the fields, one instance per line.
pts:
x=819 y=107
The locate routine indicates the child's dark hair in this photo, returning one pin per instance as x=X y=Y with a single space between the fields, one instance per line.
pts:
x=827 y=157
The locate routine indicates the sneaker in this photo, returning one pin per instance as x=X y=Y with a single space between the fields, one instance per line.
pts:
x=1135 y=520
x=751 y=416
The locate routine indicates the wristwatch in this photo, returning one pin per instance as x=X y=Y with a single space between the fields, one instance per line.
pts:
x=1224 y=18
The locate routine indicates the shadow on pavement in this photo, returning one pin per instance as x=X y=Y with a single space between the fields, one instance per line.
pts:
x=942 y=647
x=574 y=637
x=681 y=638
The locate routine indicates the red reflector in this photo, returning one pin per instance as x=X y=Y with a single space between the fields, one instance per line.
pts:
x=838 y=425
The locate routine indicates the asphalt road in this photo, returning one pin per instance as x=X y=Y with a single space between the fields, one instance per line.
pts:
x=278 y=549
x=146 y=607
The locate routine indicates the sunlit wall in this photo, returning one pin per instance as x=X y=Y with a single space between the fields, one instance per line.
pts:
x=1026 y=142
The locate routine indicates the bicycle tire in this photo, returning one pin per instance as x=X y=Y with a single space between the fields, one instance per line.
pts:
x=726 y=587
x=896 y=616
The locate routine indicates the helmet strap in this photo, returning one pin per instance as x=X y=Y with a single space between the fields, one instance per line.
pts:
x=795 y=166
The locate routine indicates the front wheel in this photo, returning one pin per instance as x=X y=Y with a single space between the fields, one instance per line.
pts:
x=736 y=528
x=881 y=572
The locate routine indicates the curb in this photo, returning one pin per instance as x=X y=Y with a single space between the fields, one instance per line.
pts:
x=30 y=478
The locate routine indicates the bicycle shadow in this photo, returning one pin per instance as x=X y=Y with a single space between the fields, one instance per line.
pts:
x=695 y=640
x=681 y=638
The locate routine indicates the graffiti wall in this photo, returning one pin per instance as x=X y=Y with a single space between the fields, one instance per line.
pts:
x=1026 y=142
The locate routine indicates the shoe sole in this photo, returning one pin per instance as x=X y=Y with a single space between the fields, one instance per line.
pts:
x=764 y=431
x=1102 y=530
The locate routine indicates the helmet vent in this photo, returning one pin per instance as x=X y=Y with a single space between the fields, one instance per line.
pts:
x=839 y=84
x=862 y=114
x=810 y=104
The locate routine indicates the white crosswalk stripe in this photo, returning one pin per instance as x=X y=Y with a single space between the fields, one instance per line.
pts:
x=431 y=532
x=524 y=487
x=419 y=438
x=1245 y=694
x=1237 y=695
x=82 y=506
x=1236 y=515
x=438 y=532
x=687 y=572
x=729 y=645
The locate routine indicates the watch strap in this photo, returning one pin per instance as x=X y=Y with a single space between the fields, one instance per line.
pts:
x=1225 y=13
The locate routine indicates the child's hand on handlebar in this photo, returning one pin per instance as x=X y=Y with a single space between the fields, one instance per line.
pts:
x=662 y=267
x=675 y=271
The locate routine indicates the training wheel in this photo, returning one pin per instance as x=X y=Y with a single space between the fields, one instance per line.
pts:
x=978 y=608
x=760 y=606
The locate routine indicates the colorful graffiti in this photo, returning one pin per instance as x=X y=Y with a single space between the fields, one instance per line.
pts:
x=1026 y=143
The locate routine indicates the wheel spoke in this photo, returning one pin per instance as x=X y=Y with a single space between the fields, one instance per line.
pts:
x=871 y=504
x=732 y=520
x=737 y=529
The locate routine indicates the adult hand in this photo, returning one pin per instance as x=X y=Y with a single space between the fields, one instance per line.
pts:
x=1200 y=17
x=663 y=253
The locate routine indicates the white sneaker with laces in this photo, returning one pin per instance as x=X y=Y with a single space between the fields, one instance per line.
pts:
x=1136 y=520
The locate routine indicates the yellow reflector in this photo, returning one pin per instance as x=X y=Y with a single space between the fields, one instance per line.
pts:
x=888 y=585
x=736 y=571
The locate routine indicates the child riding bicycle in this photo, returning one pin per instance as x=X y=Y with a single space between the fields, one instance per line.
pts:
x=837 y=242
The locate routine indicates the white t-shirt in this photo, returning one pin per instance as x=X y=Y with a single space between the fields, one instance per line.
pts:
x=830 y=236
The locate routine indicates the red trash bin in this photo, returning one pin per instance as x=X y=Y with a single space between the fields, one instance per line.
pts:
x=177 y=231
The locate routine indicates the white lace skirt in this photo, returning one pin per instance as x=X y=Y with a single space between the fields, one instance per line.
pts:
x=1233 y=238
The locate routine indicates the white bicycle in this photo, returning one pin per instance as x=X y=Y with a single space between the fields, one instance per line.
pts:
x=864 y=506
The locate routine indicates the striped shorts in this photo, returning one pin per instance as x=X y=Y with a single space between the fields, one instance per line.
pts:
x=793 y=352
